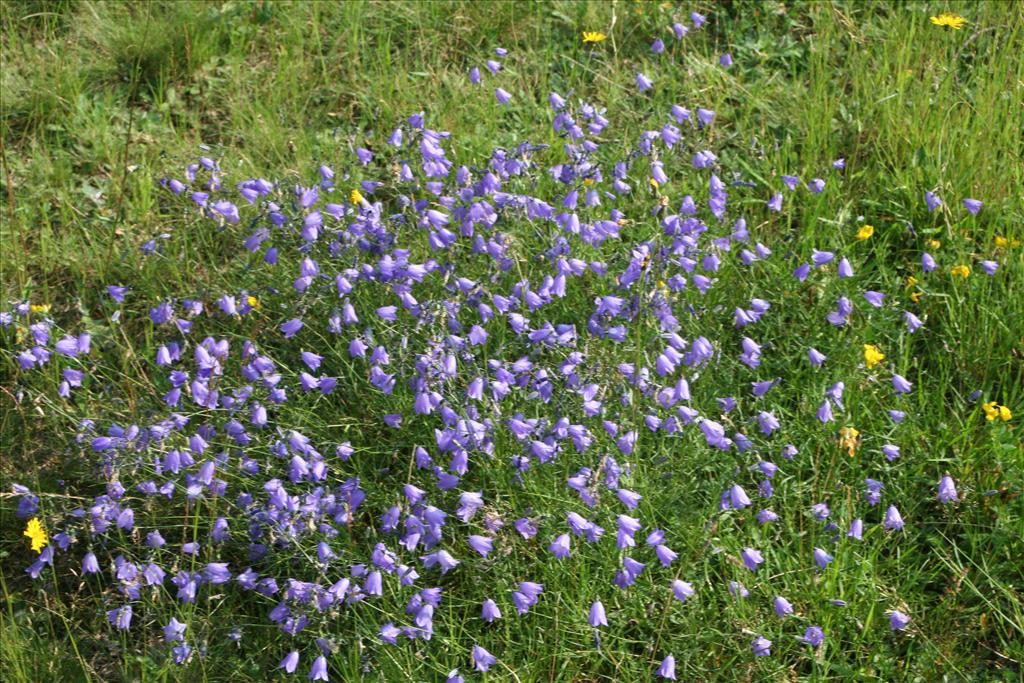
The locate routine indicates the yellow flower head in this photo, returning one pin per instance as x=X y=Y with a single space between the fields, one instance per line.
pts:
x=934 y=244
x=593 y=37
x=654 y=183
x=947 y=20
x=1000 y=241
x=40 y=308
x=588 y=181
x=961 y=271
x=355 y=197
x=872 y=355
x=991 y=410
x=252 y=301
x=35 y=531
x=911 y=281
x=849 y=438
x=915 y=297
x=865 y=232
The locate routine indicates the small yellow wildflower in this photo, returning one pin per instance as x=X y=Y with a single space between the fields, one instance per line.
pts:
x=40 y=308
x=947 y=20
x=1015 y=244
x=1000 y=241
x=593 y=36
x=252 y=301
x=865 y=232
x=872 y=355
x=994 y=410
x=355 y=197
x=961 y=271
x=915 y=297
x=849 y=438
x=35 y=531
x=588 y=181
x=911 y=281
x=934 y=244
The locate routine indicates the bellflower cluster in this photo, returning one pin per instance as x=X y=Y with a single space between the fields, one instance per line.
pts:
x=516 y=336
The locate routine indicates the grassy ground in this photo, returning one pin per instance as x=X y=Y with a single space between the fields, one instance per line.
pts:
x=100 y=100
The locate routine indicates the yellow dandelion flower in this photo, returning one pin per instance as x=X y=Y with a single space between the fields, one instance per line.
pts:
x=35 y=531
x=915 y=297
x=1000 y=241
x=872 y=355
x=355 y=197
x=960 y=271
x=947 y=20
x=1005 y=414
x=865 y=232
x=849 y=438
x=40 y=308
x=593 y=37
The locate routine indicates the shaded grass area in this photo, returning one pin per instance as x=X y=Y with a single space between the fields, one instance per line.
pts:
x=103 y=99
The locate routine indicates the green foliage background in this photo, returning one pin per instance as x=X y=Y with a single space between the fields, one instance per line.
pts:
x=98 y=100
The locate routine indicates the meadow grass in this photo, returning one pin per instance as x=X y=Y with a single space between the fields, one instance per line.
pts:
x=101 y=100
